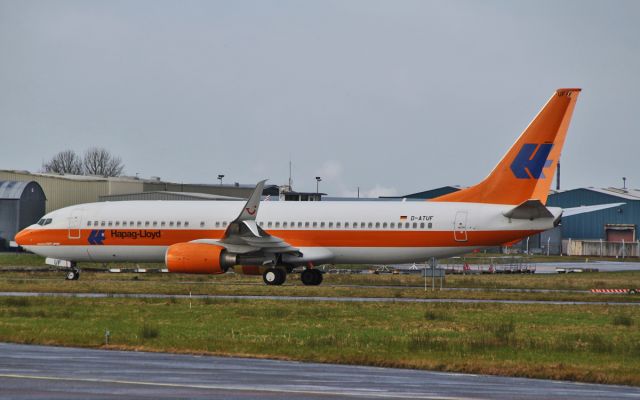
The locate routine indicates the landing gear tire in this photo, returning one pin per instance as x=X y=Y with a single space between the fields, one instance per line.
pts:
x=73 y=274
x=311 y=277
x=274 y=276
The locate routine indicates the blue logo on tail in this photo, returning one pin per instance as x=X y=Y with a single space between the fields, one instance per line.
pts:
x=96 y=236
x=531 y=160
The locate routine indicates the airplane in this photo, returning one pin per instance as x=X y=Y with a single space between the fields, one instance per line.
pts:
x=273 y=238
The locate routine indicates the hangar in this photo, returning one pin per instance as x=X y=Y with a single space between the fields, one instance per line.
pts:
x=21 y=204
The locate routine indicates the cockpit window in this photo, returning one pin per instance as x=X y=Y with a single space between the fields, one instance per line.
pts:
x=41 y=222
x=47 y=221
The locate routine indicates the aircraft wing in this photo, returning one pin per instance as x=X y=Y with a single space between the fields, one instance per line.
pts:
x=243 y=235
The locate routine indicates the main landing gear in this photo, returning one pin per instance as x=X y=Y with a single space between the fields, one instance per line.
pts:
x=274 y=276
x=73 y=274
x=311 y=276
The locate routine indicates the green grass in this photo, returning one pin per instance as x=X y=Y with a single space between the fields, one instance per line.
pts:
x=403 y=286
x=584 y=343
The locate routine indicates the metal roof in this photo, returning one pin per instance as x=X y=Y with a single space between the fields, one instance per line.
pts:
x=12 y=189
x=628 y=194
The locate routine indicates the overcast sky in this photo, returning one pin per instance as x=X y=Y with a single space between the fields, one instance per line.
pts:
x=391 y=96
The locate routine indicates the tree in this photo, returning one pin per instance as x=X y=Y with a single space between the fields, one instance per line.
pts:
x=65 y=162
x=98 y=161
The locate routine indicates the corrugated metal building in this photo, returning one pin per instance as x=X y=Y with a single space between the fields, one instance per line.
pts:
x=21 y=204
x=64 y=190
x=613 y=224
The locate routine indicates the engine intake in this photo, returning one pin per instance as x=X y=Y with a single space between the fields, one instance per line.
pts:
x=198 y=258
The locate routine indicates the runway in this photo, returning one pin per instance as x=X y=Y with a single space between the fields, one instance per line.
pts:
x=309 y=298
x=43 y=372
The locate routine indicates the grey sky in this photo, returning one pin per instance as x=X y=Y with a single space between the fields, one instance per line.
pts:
x=391 y=96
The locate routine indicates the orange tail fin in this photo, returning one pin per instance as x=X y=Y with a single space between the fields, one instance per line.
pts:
x=527 y=170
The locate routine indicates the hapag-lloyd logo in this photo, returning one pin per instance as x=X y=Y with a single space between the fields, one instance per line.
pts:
x=141 y=234
x=531 y=160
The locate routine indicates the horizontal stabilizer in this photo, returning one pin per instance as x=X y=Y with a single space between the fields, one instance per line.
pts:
x=567 y=212
x=530 y=209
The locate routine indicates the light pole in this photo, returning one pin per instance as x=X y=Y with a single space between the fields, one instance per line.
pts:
x=318 y=179
x=220 y=176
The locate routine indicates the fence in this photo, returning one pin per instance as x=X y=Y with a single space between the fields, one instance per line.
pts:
x=600 y=248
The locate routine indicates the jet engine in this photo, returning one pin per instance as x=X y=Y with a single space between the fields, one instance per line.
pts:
x=198 y=258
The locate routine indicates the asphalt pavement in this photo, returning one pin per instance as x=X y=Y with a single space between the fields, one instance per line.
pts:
x=44 y=372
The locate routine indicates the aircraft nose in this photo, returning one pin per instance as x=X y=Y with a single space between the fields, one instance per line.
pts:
x=23 y=237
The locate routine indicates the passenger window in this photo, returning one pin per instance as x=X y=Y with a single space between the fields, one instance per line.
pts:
x=95 y=223
x=429 y=225
x=306 y=224
x=146 y=223
x=110 y=223
x=315 y=224
x=163 y=223
x=421 y=225
x=415 y=225
x=224 y=223
x=277 y=224
x=321 y=224
x=117 y=223
x=186 y=224
x=377 y=224
x=362 y=224
x=284 y=224
x=384 y=225
x=299 y=224
x=178 y=224
x=201 y=224
x=269 y=224
x=139 y=223
x=406 y=225
x=88 y=223
x=346 y=224
x=399 y=225
x=217 y=224
x=392 y=225
x=338 y=225
x=124 y=223
x=293 y=224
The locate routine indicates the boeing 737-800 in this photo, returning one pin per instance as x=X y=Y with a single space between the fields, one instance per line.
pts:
x=272 y=238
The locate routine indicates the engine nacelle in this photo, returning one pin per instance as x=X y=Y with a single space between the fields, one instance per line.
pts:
x=198 y=258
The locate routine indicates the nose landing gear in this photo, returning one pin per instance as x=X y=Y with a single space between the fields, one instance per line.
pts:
x=73 y=274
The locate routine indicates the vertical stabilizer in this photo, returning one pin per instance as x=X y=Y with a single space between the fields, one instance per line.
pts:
x=527 y=170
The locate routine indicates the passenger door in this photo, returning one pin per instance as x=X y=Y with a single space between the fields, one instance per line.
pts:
x=75 y=223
